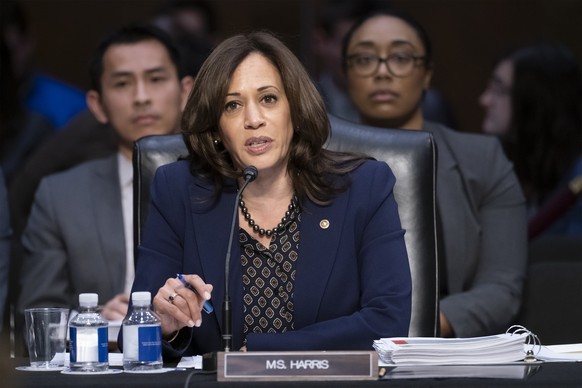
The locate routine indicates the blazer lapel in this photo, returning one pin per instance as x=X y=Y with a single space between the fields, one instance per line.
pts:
x=449 y=182
x=321 y=228
x=108 y=215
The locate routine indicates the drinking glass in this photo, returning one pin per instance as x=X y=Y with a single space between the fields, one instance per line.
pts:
x=46 y=333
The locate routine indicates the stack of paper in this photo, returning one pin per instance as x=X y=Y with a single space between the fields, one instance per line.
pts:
x=495 y=349
x=560 y=353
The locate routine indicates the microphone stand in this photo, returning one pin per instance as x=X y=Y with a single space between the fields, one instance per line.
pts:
x=250 y=173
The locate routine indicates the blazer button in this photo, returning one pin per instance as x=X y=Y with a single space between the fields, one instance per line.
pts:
x=324 y=224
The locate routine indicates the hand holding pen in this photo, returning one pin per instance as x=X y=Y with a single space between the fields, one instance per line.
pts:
x=180 y=303
x=207 y=307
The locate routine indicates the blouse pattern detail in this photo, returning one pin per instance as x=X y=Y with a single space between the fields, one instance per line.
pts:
x=268 y=279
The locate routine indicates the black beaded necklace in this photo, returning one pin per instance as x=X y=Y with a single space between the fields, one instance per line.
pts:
x=293 y=208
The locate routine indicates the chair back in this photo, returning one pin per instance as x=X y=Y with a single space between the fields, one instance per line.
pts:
x=410 y=154
x=149 y=153
x=552 y=293
x=412 y=157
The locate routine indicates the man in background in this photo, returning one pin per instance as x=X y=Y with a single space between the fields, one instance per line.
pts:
x=79 y=236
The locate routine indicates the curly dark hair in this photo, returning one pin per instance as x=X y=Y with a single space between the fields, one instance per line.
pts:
x=310 y=165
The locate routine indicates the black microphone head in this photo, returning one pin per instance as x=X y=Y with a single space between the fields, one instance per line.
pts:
x=250 y=173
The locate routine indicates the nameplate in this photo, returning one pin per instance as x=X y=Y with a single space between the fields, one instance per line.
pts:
x=311 y=365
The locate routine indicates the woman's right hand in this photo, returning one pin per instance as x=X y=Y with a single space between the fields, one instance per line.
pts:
x=177 y=306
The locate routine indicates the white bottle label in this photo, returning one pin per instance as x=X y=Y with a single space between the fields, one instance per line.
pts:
x=88 y=344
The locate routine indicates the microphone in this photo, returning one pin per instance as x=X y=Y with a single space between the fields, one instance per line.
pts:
x=250 y=173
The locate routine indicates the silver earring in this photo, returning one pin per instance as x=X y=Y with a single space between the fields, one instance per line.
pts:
x=216 y=142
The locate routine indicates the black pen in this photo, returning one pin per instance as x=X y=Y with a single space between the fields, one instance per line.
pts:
x=207 y=307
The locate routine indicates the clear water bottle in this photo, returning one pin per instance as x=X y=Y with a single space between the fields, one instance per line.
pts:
x=142 y=335
x=88 y=334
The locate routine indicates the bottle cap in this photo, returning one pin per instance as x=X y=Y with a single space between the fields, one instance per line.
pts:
x=88 y=300
x=141 y=298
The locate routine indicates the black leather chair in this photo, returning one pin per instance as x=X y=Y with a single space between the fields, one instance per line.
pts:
x=552 y=295
x=149 y=153
x=412 y=157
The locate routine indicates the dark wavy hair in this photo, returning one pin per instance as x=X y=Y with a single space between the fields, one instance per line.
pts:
x=310 y=166
x=545 y=136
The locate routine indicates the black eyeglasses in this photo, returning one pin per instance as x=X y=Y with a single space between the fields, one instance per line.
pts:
x=399 y=65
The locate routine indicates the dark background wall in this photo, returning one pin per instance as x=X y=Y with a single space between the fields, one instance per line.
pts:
x=467 y=34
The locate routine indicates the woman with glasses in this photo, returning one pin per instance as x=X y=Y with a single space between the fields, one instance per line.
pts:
x=482 y=223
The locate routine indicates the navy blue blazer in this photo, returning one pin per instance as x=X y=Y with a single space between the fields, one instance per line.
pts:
x=352 y=283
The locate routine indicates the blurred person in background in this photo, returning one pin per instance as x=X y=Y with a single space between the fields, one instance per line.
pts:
x=335 y=20
x=388 y=61
x=192 y=25
x=79 y=236
x=85 y=138
x=39 y=92
x=22 y=129
x=533 y=102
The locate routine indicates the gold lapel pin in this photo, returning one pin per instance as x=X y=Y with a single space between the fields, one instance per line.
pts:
x=324 y=224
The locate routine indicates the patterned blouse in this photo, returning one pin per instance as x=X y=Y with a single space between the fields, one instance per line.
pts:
x=268 y=279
